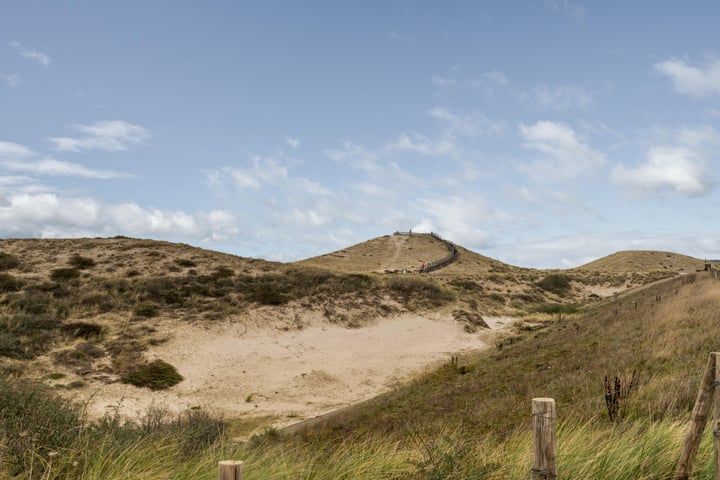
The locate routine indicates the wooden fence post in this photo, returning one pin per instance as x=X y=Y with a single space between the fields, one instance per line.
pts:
x=544 y=453
x=230 y=470
x=700 y=414
x=716 y=413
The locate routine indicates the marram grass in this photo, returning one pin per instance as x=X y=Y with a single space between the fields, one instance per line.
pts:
x=640 y=450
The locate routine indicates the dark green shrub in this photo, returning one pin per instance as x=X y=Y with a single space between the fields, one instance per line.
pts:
x=465 y=284
x=65 y=274
x=31 y=301
x=156 y=375
x=10 y=346
x=185 y=262
x=147 y=310
x=166 y=289
x=266 y=294
x=81 y=263
x=27 y=322
x=420 y=290
x=223 y=272
x=557 y=283
x=8 y=283
x=558 y=308
x=497 y=297
x=25 y=336
x=84 y=330
x=102 y=301
x=8 y=261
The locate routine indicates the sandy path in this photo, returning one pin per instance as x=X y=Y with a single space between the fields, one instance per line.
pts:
x=294 y=374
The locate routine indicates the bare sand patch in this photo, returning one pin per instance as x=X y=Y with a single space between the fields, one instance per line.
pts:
x=236 y=370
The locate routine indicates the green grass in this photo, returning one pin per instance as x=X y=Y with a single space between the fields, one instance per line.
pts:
x=156 y=375
x=80 y=262
x=557 y=283
x=8 y=261
x=65 y=274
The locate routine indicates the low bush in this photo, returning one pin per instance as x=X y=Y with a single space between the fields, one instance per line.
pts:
x=31 y=301
x=80 y=262
x=156 y=375
x=223 y=272
x=147 y=310
x=557 y=283
x=497 y=297
x=8 y=283
x=465 y=284
x=420 y=291
x=65 y=274
x=185 y=262
x=8 y=261
x=558 y=308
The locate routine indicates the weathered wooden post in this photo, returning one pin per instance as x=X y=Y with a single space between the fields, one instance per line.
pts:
x=700 y=414
x=716 y=412
x=544 y=452
x=230 y=470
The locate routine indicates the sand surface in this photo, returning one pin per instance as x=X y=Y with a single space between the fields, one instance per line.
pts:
x=295 y=374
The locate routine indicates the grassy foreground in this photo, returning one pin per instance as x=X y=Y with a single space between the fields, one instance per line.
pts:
x=636 y=451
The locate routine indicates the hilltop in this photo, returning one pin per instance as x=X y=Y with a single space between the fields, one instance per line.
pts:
x=403 y=252
x=630 y=261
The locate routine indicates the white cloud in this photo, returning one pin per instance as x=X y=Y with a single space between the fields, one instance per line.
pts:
x=109 y=136
x=12 y=79
x=462 y=219
x=676 y=168
x=443 y=81
x=377 y=163
x=690 y=80
x=422 y=145
x=31 y=54
x=265 y=171
x=52 y=167
x=471 y=123
x=14 y=150
x=559 y=97
x=293 y=142
x=566 y=7
x=562 y=154
x=52 y=215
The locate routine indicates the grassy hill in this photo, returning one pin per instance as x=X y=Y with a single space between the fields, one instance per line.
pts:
x=643 y=261
x=395 y=253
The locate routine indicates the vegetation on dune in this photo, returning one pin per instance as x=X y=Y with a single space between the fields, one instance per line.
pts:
x=81 y=262
x=156 y=375
x=557 y=283
x=464 y=420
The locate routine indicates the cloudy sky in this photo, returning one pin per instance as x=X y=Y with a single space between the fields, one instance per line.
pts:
x=543 y=133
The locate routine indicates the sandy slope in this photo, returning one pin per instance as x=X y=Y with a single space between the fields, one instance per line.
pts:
x=296 y=374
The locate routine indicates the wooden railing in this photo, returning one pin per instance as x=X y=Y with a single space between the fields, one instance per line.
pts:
x=443 y=262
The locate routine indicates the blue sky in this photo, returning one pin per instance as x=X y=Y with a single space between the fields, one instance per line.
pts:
x=541 y=133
